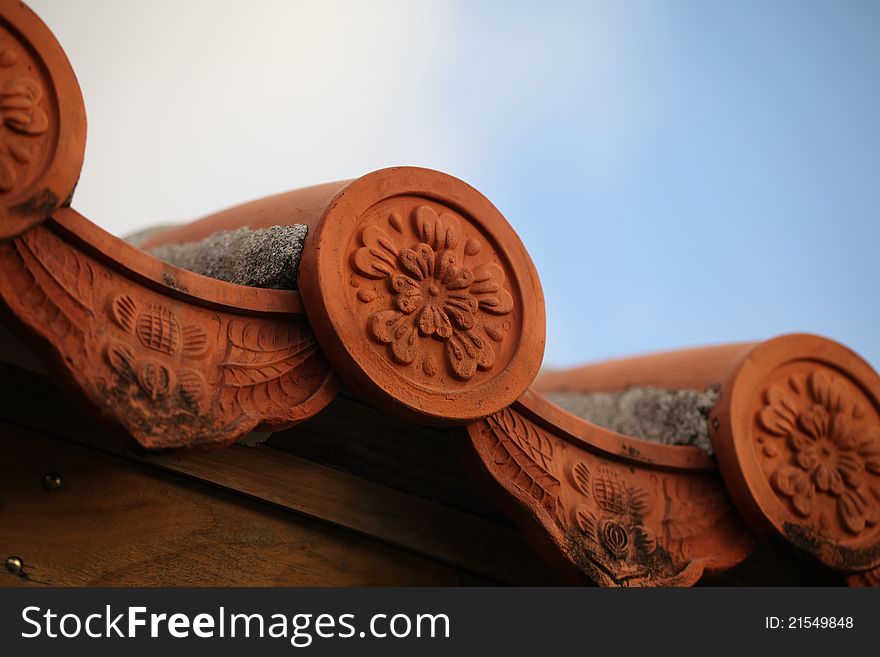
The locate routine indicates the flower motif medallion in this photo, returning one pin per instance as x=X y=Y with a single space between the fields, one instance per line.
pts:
x=433 y=294
x=818 y=441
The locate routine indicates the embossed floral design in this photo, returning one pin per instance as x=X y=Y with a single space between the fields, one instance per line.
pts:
x=434 y=295
x=831 y=450
x=160 y=332
x=19 y=105
x=20 y=112
x=617 y=523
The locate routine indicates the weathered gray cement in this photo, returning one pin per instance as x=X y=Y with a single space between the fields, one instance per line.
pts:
x=671 y=417
x=267 y=257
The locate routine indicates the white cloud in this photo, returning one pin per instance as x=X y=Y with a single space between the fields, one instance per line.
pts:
x=194 y=106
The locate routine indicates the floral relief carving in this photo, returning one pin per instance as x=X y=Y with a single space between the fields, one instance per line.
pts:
x=159 y=330
x=434 y=295
x=620 y=522
x=156 y=378
x=21 y=118
x=615 y=521
x=830 y=452
x=171 y=372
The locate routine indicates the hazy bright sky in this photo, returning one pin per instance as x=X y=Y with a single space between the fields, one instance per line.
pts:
x=682 y=173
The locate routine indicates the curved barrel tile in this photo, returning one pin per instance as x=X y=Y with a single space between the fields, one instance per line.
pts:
x=173 y=369
x=622 y=511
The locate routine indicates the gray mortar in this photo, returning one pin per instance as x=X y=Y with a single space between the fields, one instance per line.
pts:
x=266 y=257
x=671 y=417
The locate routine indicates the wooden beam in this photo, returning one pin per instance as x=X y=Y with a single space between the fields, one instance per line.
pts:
x=115 y=522
x=421 y=526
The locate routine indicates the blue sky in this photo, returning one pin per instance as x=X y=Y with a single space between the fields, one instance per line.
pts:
x=748 y=205
x=682 y=173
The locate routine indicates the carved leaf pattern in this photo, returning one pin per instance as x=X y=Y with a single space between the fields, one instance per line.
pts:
x=621 y=522
x=528 y=452
x=614 y=517
x=121 y=358
x=692 y=507
x=533 y=442
x=192 y=385
x=614 y=495
x=583 y=478
x=264 y=362
x=60 y=287
x=125 y=311
x=147 y=360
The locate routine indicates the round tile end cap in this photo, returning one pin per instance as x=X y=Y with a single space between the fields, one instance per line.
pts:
x=42 y=121
x=423 y=297
x=798 y=444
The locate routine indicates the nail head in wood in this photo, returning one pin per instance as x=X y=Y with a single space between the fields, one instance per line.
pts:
x=14 y=565
x=52 y=481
